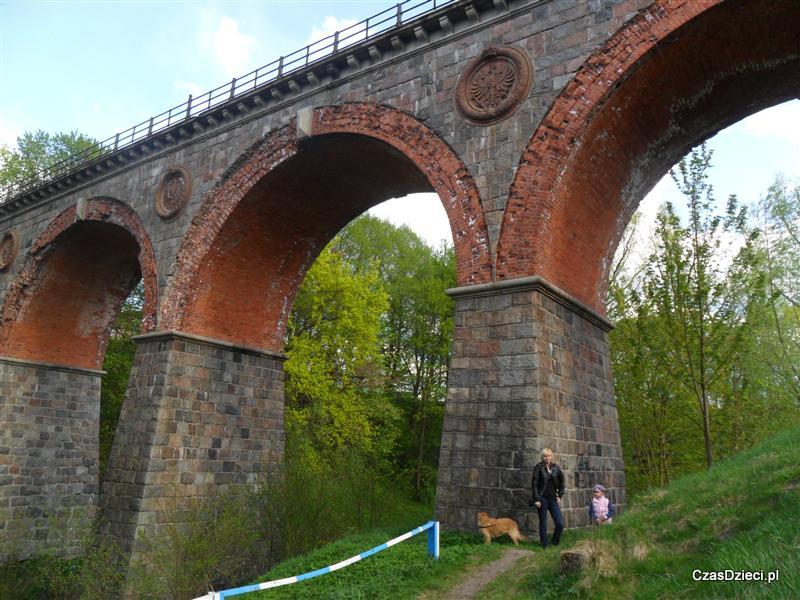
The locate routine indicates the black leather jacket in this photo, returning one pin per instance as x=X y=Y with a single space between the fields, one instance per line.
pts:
x=539 y=480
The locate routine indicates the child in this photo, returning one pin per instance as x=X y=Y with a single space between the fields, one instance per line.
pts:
x=601 y=510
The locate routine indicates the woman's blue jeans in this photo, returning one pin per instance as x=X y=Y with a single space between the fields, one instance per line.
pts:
x=555 y=512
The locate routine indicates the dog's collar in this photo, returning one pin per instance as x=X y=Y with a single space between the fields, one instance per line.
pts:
x=484 y=526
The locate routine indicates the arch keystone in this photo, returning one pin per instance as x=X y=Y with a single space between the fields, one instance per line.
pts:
x=305 y=122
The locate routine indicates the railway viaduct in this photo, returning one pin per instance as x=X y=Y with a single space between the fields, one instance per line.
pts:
x=540 y=124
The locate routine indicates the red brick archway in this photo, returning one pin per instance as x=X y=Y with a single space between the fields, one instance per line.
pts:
x=260 y=229
x=76 y=275
x=671 y=77
x=440 y=165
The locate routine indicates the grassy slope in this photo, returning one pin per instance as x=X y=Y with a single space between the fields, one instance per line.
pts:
x=744 y=514
x=402 y=571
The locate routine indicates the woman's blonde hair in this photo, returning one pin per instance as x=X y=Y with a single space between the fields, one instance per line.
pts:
x=547 y=451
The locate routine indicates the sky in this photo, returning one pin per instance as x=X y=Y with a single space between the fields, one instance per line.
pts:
x=99 y=67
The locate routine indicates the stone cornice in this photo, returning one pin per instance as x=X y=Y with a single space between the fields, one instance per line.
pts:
x=533 y=283
x=199 y=339
x=35 y=364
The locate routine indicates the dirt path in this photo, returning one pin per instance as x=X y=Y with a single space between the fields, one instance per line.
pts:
x=479 y=579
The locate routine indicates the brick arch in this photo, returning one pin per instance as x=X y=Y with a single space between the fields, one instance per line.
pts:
x=263 y=225
x=673 y=76
x=75 y=276
x=441 y=166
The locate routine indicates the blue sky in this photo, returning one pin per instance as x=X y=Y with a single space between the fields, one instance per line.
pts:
x=100 y=67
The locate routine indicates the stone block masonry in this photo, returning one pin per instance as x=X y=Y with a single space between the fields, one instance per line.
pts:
x=529 y=369
x=49 y=451
x=199 y=415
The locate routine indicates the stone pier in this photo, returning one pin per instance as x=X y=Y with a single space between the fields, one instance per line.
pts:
x=529 y=369
x=199 y=415
x=49 y=452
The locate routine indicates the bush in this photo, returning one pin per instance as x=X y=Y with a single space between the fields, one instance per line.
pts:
x=228 y=539
x=342 y=495
x=209 y=543
x=99 y=573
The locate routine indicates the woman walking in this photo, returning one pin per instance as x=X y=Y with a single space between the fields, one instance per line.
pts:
x=547 y=484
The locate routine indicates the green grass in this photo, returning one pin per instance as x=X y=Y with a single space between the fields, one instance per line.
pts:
x=402 y=571
x=743 y=515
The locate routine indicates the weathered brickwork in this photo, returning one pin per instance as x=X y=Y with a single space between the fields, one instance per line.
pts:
x=557 y=34
x=620 y=89
x=76 y=274
x=48 y=457
x=446 y=174
x=198 y=415
x=225 y=242
x=529 y=370
x=632 y=110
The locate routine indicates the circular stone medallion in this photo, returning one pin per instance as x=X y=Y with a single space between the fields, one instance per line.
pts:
x=493 y=85
x=9 y=247
x=173 y=192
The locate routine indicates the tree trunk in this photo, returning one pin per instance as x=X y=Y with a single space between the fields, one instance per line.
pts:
x=420 y=454
x=707 y=433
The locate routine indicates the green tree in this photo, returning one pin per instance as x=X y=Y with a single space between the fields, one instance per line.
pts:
x=37 y=151
x=704 y=339
x=656 y=416
x=777 y=219
x=702 y=299
x=334 y=364
x=416 y=334
x=117 y=364
x=762 y=390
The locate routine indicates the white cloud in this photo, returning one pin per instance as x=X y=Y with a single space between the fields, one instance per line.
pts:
x=331 y=25
x=781 y=122
x=230 y=49
x=197 y=92
x=423 y=213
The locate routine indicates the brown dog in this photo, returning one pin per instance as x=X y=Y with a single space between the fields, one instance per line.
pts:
x=492 y=528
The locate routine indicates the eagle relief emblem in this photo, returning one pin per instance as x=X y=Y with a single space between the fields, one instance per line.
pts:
x=493 y=85
x=174 y=191
x=174 y=187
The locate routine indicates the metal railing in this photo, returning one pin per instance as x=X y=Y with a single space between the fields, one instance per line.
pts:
x=366 y=30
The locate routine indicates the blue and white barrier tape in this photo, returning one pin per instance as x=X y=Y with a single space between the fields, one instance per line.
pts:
x=432 y=527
